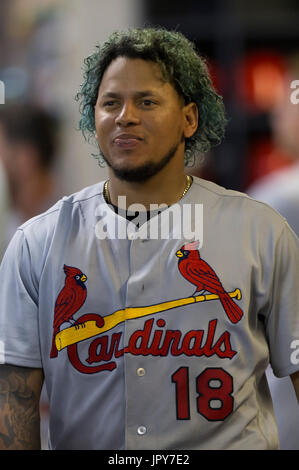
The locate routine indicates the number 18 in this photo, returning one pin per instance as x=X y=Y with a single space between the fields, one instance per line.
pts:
x=212 y=385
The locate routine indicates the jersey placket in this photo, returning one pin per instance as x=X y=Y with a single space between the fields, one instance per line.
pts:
x=138 y=429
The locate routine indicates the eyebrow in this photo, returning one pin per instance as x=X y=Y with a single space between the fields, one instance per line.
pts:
x=138 y=94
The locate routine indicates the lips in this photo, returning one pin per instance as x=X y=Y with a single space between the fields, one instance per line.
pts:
x=127 y=140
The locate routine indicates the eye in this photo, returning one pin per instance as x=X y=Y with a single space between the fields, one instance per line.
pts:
x=77 y=277
x=108 y=104
x=147 y=103
x=186 y=252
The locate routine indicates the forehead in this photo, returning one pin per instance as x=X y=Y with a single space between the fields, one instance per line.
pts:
x=126 y=74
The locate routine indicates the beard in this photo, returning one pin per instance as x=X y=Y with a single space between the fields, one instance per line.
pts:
x=146 y=171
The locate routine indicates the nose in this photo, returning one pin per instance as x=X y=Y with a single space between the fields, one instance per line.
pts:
x=128 y=115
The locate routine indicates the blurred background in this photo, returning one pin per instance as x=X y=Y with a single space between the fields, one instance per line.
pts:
x=252 y=49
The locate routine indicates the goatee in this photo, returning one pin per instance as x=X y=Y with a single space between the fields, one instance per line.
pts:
x=145 y=172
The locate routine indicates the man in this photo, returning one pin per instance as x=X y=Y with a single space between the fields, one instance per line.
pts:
x=148 y=339
x=280 y=188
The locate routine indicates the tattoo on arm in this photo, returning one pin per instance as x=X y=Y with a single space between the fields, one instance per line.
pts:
x=20 y=389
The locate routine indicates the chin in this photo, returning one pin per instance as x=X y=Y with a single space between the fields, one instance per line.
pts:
x=131 y=169
x=135 y=174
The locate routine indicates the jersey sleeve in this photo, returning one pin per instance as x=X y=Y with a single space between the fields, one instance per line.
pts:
x=19 y=333
x=282 y=326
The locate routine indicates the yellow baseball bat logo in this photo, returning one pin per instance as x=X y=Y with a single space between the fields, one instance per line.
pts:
x=89 y=329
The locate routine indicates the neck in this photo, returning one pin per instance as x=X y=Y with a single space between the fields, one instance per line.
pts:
x=164 y=188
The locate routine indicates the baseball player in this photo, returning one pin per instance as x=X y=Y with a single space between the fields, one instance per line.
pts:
x=148 y=335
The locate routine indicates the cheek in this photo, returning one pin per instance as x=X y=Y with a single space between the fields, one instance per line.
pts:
x=102 y=125
x=99 y=120
x=170 y=128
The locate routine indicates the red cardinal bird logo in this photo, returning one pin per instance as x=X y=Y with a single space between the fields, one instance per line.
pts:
x=71 y=297
x=199 y=272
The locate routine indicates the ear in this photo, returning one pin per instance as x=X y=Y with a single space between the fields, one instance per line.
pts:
x=190 y=119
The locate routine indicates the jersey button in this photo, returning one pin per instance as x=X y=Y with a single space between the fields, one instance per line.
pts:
x=140 y=372
x=141 y=430
x=131 y=236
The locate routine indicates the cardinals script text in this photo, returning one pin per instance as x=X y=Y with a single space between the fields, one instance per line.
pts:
x=152 y=341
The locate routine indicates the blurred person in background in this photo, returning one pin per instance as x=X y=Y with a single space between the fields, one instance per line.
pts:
x=28 y=152
x=280 y=189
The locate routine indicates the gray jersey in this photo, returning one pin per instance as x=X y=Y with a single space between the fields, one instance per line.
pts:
x=154 y=343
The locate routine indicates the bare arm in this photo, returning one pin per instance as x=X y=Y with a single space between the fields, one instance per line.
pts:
x=20 y=390
x=295 y=380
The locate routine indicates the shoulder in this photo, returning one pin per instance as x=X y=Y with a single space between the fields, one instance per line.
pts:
x=230 y=196
x=65 y=204
x=65 y=212
x=45 y=236
x=236 y=206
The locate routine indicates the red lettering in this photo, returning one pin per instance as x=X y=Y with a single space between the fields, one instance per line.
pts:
x=228 y=351
x=116 y=340
x=174 y=343
x=196 y=349
x=172 y=338
x=72 y=350
x=144 y=336
x=208 y=350
x=95 y=355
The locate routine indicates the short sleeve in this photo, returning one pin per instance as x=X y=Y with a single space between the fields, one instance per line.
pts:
x=282 y=326
x=19 y=332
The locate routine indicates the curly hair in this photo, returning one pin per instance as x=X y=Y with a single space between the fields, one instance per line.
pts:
x=180 y=65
